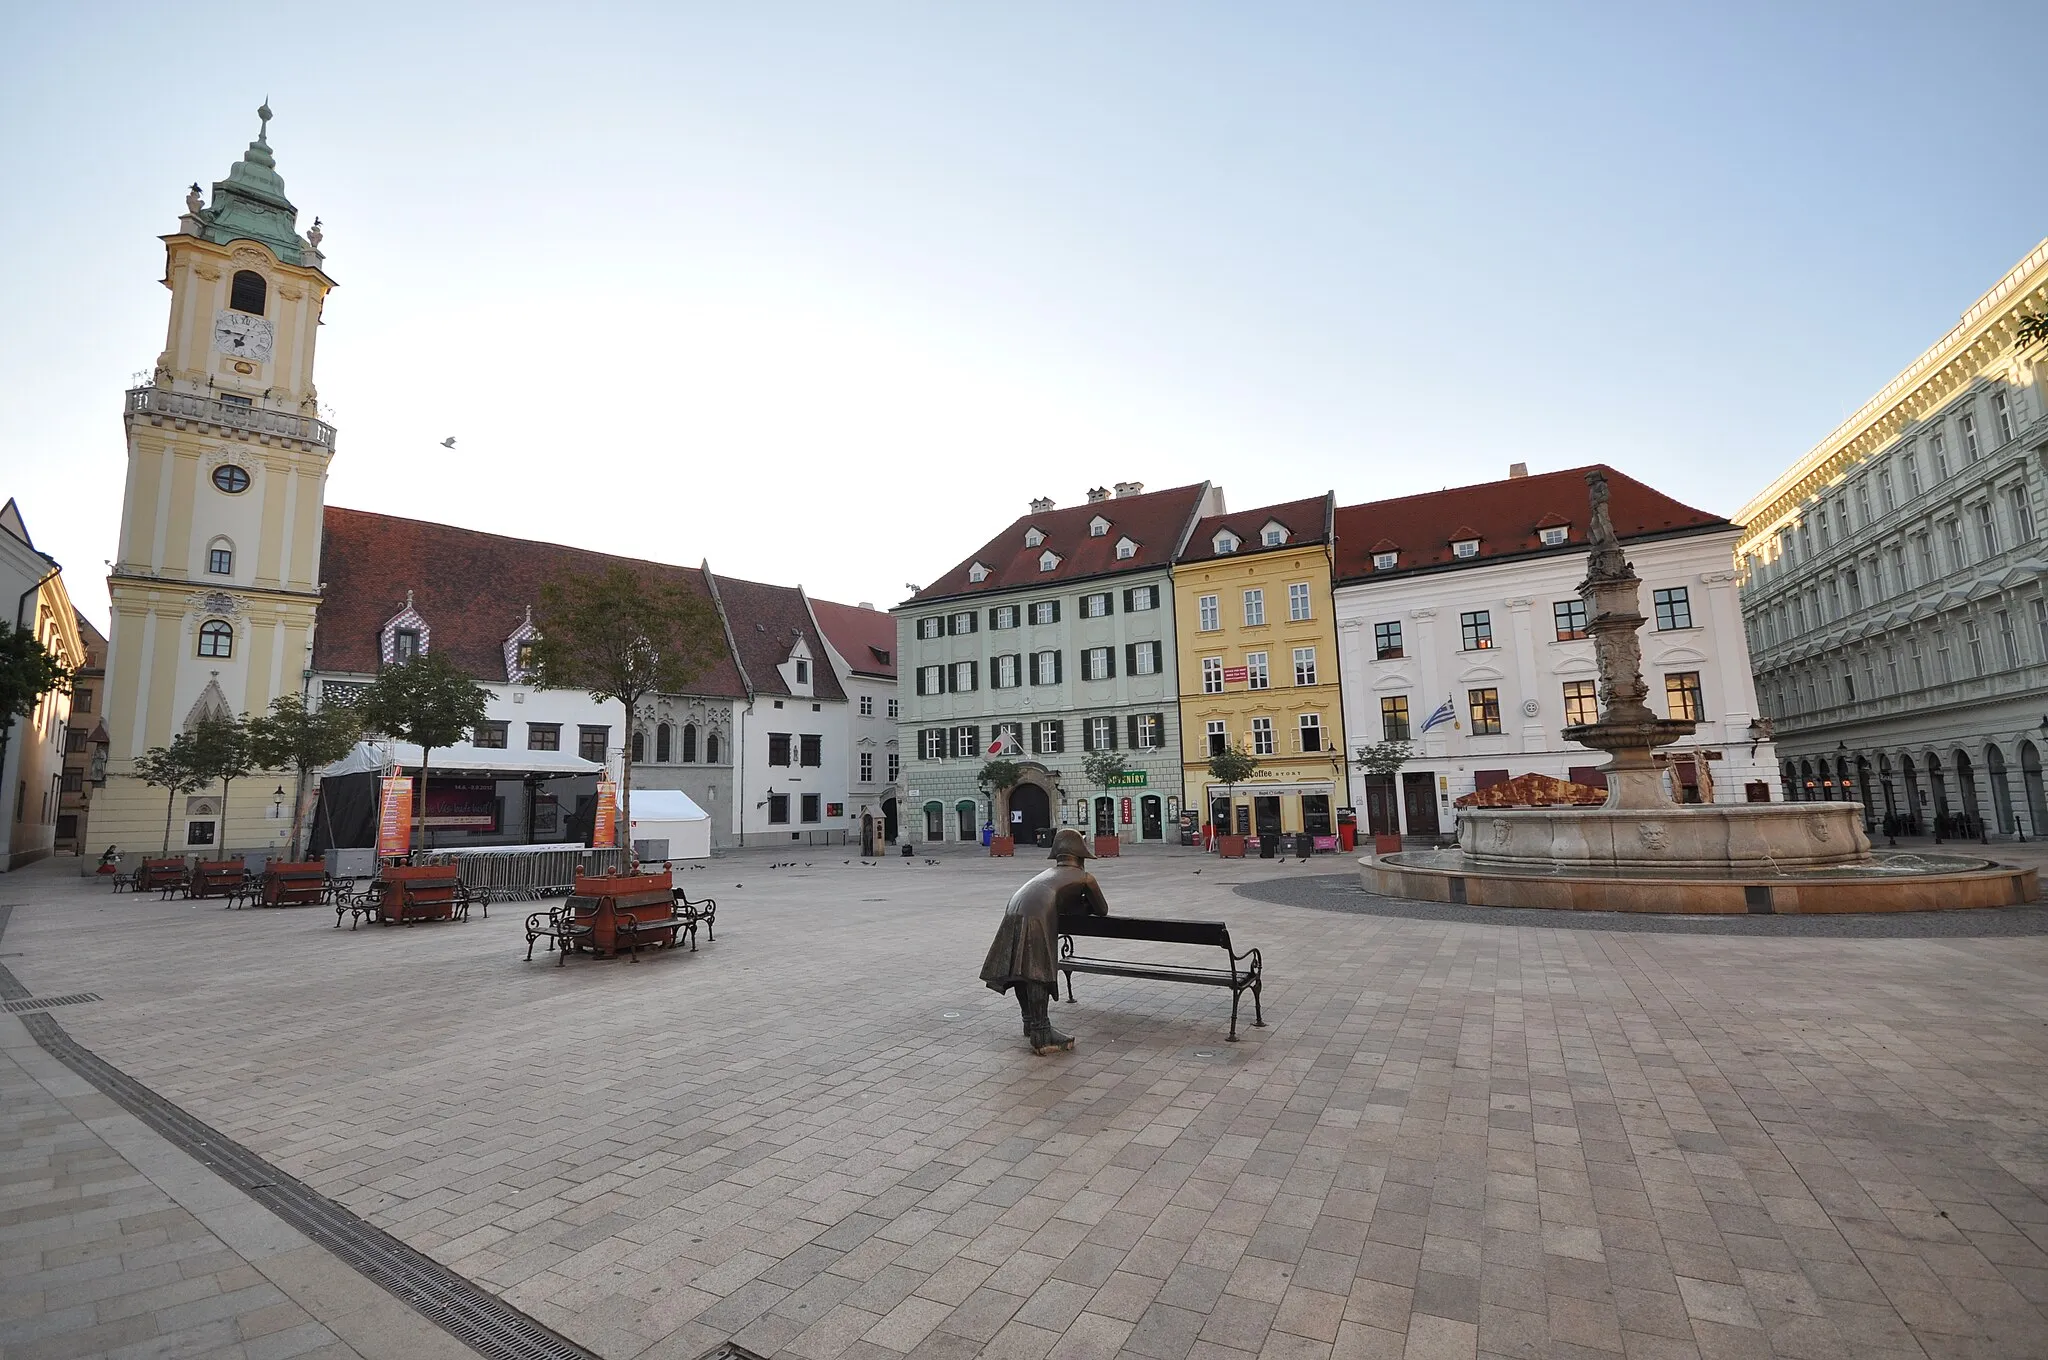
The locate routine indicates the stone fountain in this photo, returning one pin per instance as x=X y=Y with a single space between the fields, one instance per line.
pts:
x=1643 y=851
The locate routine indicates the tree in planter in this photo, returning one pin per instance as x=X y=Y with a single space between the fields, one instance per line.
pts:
x=294 y=737
x=998 y=777
x=27 y=672
x=1230 y=767
x=173 y=768
x=618 y=635
x=427 y=702
x=1384 y=758
x=220 y=747
x=1103 y=769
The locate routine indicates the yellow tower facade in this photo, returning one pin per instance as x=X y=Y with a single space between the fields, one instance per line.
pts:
x=1255 y=623
x=217 y=577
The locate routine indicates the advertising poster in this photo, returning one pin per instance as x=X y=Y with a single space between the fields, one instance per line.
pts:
x=462 y=804
x=605 y=833
x=394 y=817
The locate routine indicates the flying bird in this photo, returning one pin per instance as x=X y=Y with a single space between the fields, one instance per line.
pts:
x=449 y=442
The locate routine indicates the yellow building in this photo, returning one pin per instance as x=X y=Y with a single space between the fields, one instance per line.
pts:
x=1257 y=632
x=216 y=574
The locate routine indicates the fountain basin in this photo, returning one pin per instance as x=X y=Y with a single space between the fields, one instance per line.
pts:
x=1884 y=881
x=1714 y=836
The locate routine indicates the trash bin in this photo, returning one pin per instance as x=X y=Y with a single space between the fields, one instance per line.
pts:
x=987 y=834
x=1347 y=834
x=1043 y=836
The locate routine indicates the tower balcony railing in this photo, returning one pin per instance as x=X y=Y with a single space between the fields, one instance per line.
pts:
x=158 y=401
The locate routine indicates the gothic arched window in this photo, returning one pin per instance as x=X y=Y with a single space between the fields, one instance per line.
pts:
x=690 y=743
x=711 y=748
x=661 y=743
x=216 y=639
x=639 y=747
x=250 y=293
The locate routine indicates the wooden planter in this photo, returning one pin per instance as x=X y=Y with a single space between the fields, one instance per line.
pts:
x=294 y=883
x=419 y=892
x=648 y=896
x=1002 y=847
x=1230 y=847
x=1385 y=845
x=1108 y=847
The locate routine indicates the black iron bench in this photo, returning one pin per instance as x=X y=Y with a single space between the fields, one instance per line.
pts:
x=560 y=927
x=1242 y=974
x=704 y=912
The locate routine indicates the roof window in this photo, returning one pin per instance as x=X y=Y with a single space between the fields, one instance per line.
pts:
x=977 y=573
x=1465 y=547
x=1126 y=549
x=1032 y=538
x=1554 y=534
x=1274 y=534
x=1226 y=541
x=1097 y=527
x=1048 y=560
x=1385 y=561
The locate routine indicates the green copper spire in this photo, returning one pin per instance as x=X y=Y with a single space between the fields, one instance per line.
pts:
x=249 y=205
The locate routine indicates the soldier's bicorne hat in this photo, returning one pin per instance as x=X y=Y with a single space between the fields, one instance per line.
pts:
x=1070 y=842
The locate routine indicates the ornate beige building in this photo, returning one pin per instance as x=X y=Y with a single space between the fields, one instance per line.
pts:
x=216 y=577
x=1892 y=587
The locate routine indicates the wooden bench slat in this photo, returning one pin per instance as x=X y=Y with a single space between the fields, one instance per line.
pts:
x=1245 y=972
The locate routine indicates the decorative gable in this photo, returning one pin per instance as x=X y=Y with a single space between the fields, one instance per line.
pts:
x=1464 y=542
x=211 y=703
x=518 y=653
x=406 y=620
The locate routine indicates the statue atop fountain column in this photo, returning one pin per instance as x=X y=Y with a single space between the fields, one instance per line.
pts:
x=1627 y=729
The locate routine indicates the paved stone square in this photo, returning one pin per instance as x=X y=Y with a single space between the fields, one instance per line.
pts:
x=819 y=1136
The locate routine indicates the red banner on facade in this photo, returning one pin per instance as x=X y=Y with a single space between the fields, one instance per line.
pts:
x=604 y=834
x=1236 y=675
x=394 y=817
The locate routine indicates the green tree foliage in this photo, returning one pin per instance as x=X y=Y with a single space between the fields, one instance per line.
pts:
x=1383 y=757
x=27 y=672
x=1230 y=767
x=1103 y=768
x=998 y=777
x=621 y=636
x=2032 y=330
x=294 y=737
x=427 y=702
x=220 y=747
x=176 y=770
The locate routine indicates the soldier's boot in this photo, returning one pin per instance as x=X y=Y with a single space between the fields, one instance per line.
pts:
x=1044 y=1038
x=1023 y=990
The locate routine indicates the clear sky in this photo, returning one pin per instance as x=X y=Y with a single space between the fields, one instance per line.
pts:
x=825 y=293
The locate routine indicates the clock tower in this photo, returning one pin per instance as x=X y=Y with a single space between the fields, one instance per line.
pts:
x=217 y=575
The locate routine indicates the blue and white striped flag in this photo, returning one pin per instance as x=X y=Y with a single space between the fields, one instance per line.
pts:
x=1444 y=714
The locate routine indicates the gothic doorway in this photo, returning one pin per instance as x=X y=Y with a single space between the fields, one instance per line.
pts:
x=1030 y=813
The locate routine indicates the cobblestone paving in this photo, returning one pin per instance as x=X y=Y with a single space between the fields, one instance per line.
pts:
x=819 y=1136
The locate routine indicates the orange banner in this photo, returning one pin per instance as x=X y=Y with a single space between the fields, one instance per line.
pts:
x=394 y=818
x=605 y=833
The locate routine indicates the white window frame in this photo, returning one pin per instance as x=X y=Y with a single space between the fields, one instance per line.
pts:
x=1212 y=675
x=1304 y=665
x=1211 y=613
x=1386 y=561
x=1306 y=723
x=1262 y=736
x=1299 y=603
x=1255 y=607
x=1257 y=673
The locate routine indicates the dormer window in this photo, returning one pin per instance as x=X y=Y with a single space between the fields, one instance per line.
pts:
x=1048 y=560
x=1097 y=527
x=1554 y=535
x=1032 y=538
x=1385 y=561
x=1274 y=534
x=405 y=645
x=1125 y=550
x=977 y=573
x=1465 y=547
x=1226 y=542
x=803 y=671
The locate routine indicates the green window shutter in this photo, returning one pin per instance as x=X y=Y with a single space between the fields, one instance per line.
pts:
x=1112 y=734
x=1087 y=735
x=1055 y=611
x=1109 y=663
x=1034 y=740
x=1131 y=731
x=1034 y=669
x=1059 y=735
x=1131 y=657
x=1058 y=667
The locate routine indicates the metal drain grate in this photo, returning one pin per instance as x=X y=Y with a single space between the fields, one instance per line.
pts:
x=731 y=1352
x=472 y=1314
x=38 y=1002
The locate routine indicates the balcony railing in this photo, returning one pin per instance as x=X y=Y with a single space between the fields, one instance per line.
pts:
x=156 y=401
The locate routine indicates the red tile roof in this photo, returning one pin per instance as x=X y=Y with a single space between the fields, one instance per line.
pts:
x=1504 y=517
x=1306 y=521
x=472 y=588
x=865 y=637
x=766 y=621
x=1154 y=520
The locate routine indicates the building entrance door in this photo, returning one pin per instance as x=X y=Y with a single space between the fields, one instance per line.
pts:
x=1418 y=797
x=1149 y=825
x=889 y=820
x=1382 y=813
x=1266 y=819
x=1315 y=814
x=1030 y=813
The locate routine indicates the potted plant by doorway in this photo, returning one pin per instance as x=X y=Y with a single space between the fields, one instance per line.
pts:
x=1230 y=767
x=997 y=778
x=1103 y=769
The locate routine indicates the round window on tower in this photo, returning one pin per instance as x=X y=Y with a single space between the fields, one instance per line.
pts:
x=231 y=479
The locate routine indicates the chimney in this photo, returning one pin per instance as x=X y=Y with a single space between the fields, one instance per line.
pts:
x=1041 y=505
x=1517 y=470
x=1097 y=493
x=865 y=604
x=1128 y=489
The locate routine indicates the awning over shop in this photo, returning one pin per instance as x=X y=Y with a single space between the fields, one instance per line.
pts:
x=373 y=757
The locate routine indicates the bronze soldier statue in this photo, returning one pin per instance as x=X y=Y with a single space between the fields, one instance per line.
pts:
x=1025 y=954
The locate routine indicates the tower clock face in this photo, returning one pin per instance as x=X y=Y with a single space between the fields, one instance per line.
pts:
x=242 y=336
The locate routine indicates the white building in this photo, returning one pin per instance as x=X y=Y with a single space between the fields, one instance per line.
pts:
x=32 y=747
x=1469 y=597
x=861 y=641
x=1892 y=583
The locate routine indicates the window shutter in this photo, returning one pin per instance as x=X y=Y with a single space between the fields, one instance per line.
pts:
x=1034 y=740
x=974 y=675
x=1059 y=735
x=945 y=679
x=1087 y=734
x=1109 y=602
x=1058 y=666
x=1055 y=611
x=920 y=679
x=1130 y=599
x=1131 y=731
x=973 y=740
x=924 y=744
x=1131 y=657
x=1034 y=668
x=1112 y=734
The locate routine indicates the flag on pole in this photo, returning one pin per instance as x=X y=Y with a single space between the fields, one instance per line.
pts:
x=1005 y=744
x=1444 y=714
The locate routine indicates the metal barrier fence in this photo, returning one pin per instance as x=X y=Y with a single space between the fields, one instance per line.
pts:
x=525 y=872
